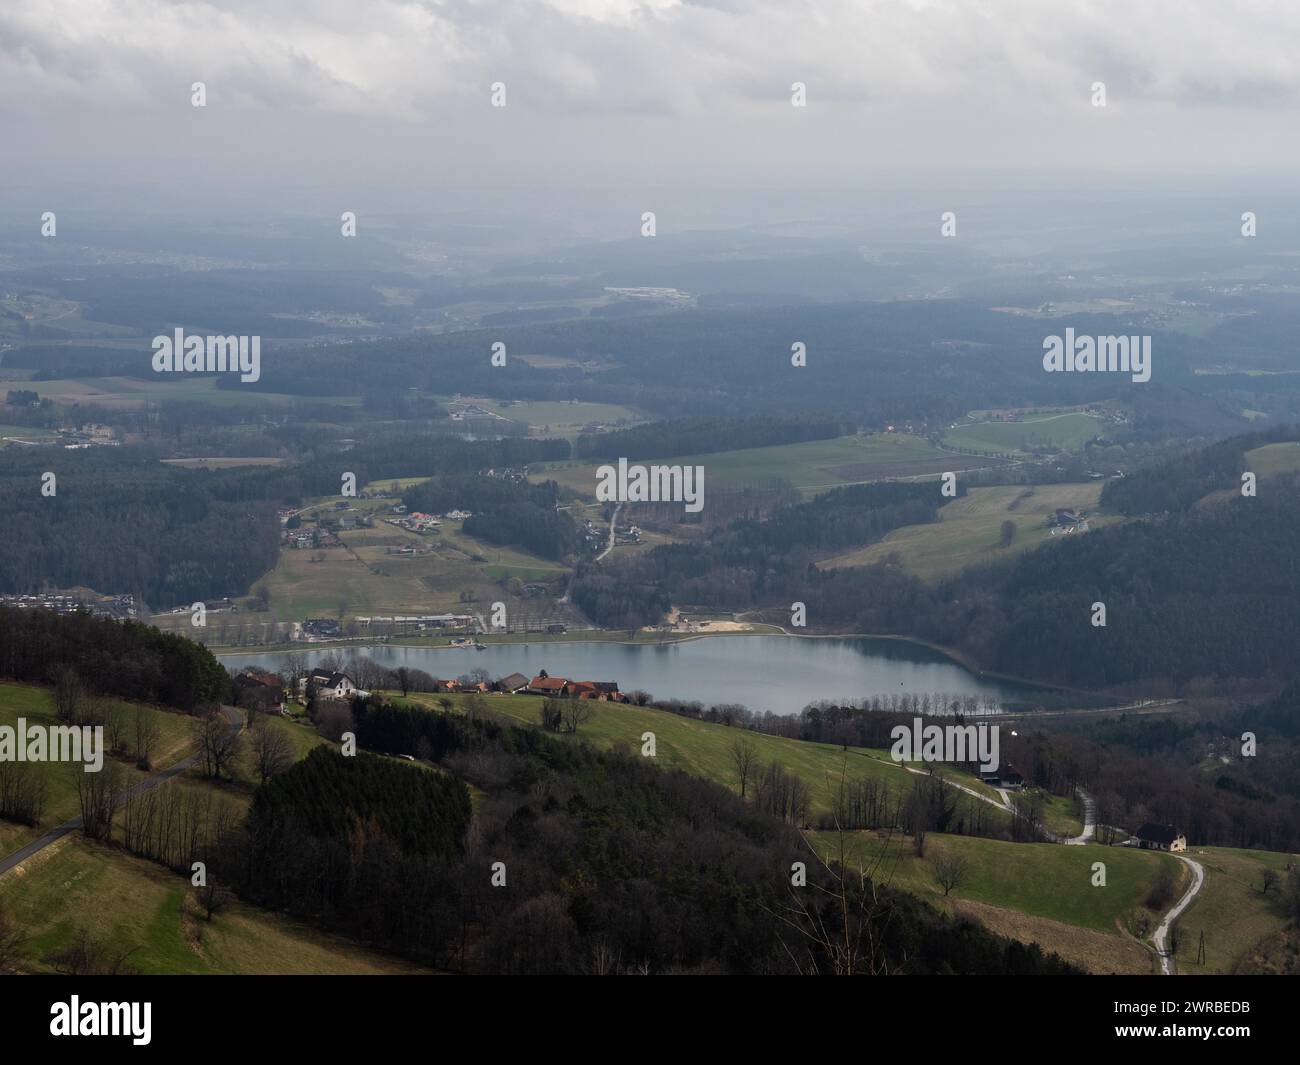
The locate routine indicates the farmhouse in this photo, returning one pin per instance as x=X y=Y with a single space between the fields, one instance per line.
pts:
x=1153 y=837
x=270 y=687
x=513 y=683
x=329 y=685
x=1007 y=777
x=544 y=685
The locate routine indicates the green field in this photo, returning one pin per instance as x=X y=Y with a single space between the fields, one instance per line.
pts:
x=363 y=578
x=1061 y=814
x=1041 y=879
x=704 y=748
x=1274 y=458
x=558 y=418
x=969 y=529
x=1230 y=909
x=36 y=706
x=812 y=467
x=130 y=903
x=1068 y=431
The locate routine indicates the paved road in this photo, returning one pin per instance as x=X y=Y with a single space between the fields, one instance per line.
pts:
x=1162 y=933
x=21 y=855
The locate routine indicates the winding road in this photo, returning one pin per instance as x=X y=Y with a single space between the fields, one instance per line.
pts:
x=1162 y=933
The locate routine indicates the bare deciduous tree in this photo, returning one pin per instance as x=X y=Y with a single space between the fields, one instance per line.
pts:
x=272 y=750
x=97 y=795
x=839 y=912
x=744 y=757
x=219 y=744
x=68 y=696
x=950 y=870
x=147 y=731
x=577 y=712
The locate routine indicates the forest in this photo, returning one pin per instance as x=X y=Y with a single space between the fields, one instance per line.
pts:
x=581 y=861
x=125 y=659
x=121 y=522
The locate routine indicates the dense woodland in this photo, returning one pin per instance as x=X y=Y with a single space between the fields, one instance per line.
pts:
x=126 y=659
x=124 y=523
x=121 y=522
x=861 y=365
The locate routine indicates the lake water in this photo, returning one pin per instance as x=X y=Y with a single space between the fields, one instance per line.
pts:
x=782 y=674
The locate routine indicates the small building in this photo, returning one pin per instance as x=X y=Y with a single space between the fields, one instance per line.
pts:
x=269 y=687
x=513 y=683
x=1008 y=777
x=1154 y=837
x=329 y=685
x=544 y=685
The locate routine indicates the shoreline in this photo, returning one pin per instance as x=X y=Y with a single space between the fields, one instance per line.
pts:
x=593 y=636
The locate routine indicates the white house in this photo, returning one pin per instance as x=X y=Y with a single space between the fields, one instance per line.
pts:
x=329 y=685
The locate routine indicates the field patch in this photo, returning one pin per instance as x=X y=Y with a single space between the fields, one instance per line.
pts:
x=36 y=706
x=1068 y=431
x=969 y=529
x=813 y=466
x=1274 y=458
x=130 y=904
x=1041 y=879
x=1232 y=910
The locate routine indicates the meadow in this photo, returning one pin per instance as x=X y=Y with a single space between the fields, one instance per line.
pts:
x=969 y=529
x=813 y=466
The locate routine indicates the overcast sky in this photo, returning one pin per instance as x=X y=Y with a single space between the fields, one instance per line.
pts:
x=388 y=93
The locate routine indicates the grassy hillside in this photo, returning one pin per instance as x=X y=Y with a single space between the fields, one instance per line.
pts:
x=969 y=529
x=1237 y=918
x=128 y=903
x=36 y=706
x=704 y=748
x=1041 y=879
x=1274 y=458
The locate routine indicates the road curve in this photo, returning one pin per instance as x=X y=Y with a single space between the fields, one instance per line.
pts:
x=1162 y=933
x=11 y=861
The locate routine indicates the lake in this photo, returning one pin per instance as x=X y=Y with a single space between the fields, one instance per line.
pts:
x=782 y=674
